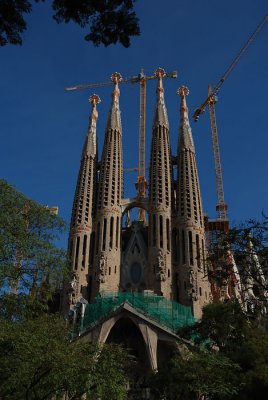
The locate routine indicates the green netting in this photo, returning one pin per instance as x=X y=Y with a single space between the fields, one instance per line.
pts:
x=169 y=314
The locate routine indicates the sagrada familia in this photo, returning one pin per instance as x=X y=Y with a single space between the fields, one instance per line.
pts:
x=140 y=282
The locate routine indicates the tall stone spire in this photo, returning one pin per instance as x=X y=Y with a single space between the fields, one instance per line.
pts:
x=160 y=112
x=110 y=191
x=192 y=280
x=83 y=213
x=159 y=271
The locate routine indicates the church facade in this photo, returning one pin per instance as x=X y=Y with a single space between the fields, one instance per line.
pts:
x=164 y=254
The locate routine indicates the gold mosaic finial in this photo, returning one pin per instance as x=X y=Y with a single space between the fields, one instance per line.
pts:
x=94 y=100
x=183 y=91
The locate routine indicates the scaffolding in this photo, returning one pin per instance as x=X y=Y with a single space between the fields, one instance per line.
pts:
x=168 y=314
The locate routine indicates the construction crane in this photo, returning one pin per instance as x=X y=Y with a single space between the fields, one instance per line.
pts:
x=221 y=206
x=141 y=78
x=210 y=102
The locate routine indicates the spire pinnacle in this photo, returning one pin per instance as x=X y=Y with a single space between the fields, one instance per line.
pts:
x=94 y=100
x=183 y=91
x=160 y=74
x=116 y=78
x=186 y=138
x=90 y=146
x=160 y=116
x=114 y=119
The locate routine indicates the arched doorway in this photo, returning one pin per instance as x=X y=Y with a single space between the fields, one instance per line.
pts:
x=126 y=333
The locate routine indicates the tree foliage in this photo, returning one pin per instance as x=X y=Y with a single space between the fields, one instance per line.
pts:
x=227 y=329
x=199 y=375
x=37 y=358
x=38 y=361
x=109 y=21
x=247 y=246
x=28 y=254
x=223 y=326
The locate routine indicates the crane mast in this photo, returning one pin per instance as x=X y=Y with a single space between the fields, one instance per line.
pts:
x=221 y=206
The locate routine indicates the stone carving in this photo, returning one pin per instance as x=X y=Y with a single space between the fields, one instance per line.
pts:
x=192 y=287
x=74 y=281
x=224 y=295
x=160 y=267
x=191 y=279
x=102 y=269
x=72 y=288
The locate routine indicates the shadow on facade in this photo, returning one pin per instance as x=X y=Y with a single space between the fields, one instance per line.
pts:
x=164 y=352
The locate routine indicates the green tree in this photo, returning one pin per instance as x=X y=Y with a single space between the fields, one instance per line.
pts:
x=226 y=328
x=38 y=361
x=198 y=375
x=223 y=326
x=248 y=243
x=252 y=356
x=28 y=254
x=110 y=21
x=37 y=358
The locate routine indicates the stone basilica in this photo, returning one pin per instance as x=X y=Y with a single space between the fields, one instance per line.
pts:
x=136 y=280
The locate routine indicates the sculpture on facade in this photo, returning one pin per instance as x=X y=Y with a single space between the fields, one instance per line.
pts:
x=160 y=267
x=102 y=269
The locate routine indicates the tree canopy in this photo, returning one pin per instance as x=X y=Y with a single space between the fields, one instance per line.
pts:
x=227 y=359
x=28 y=254
x=109 y=21
x=38 y=359
x=199 y=375
x=245 y=245
x=226 y=329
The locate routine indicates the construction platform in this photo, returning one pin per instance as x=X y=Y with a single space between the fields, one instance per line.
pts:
x=169 y=314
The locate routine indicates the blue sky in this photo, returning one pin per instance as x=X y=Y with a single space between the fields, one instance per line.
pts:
x=43 y=127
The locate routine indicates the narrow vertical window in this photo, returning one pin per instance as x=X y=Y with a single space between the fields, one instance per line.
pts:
x=111 y=232
x=174 y=244
x=154 y=231
x=98 y=238
x=84 y=244
x=178 y=245
x=161 y=230
x=117 y=231
x=168 y=235
x=77 y=251
x=198 y=251
x=91 y=247
x=104 y=234
x=183 y=246
x=203 y=255
x=190 y=238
